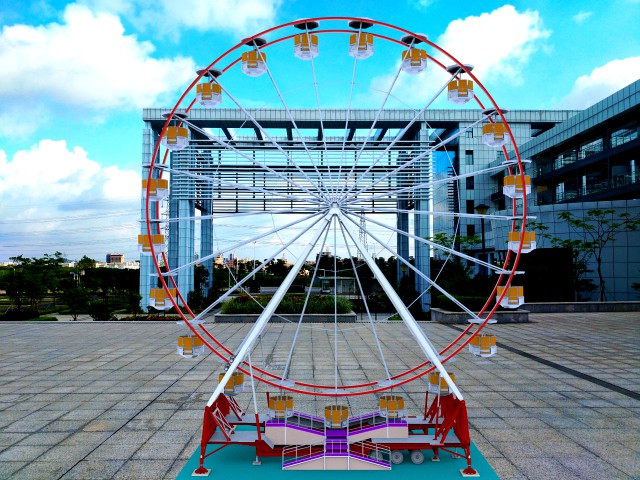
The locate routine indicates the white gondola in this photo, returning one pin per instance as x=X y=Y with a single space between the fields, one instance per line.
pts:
x=209 y=94
x=513 y=298
x=528 y=241
x=305 y=46
x=160 y=300
x=157 y=240
x=336 y=416
x=190 y=346
x=392 y=406
x=483 y=345
x=158 y=189
x=235 y=384
x=494 y=135
x=514 y=187
x=361 y=45
x=254 y=63
x=280 y=406
x=438 y=385
x=460 y=91
x=414 y=60
x=175 y=138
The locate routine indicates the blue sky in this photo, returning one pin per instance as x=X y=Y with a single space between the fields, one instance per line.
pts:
x=75 y=77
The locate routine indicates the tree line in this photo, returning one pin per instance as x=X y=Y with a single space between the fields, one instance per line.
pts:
x=43 y=285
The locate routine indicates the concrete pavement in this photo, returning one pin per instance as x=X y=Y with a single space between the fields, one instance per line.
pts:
x=112 y=400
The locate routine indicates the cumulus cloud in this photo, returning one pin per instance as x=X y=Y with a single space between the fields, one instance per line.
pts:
x=601 y=82
x=580 y=17
x=421 y=4
x=169 y=17
x=86 y=61
x=499 y=44
x=57 y=198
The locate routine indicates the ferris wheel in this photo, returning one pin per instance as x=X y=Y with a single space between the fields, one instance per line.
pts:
x=298 y=169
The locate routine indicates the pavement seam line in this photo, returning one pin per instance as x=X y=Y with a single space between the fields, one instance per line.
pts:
x=562 y=368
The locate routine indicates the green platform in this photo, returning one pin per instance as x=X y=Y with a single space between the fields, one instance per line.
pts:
x=235 y=461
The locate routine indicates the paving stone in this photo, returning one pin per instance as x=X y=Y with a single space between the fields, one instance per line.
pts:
x=531 y=420
x=94 y=469
x=141 y=470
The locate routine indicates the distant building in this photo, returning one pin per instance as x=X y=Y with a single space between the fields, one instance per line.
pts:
x=115 y=257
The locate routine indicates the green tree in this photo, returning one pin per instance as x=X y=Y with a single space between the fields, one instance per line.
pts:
x=77 y=300
x=132 y=303
x=277 y=268
x=86 y=263
x=595 y=231
x=29 y=281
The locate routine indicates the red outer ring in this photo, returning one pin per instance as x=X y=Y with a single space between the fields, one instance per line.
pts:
x=275 y=378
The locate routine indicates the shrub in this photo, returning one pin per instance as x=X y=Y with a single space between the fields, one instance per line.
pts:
x=20 y=315
x=291 y=304
x=100 y=311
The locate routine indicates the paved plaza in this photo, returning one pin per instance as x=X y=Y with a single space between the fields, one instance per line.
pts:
x=86 y=400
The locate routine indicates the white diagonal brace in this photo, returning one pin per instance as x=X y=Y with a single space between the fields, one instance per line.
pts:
x=403 y=311
x=268 y=311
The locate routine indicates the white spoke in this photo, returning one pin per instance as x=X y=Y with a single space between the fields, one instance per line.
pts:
x=409 y=321
x=365 y=303
x=253 y=272
x=240 y=244
x=270 y=138
x=240 y=186
x=304 y=309
x=398 y=137
x=258 y=164
x=431 y=183
x=432 y=244
x=418 y=272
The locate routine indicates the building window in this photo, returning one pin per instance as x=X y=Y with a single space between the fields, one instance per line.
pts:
x=468 y=157
x=470 y=206
x=470 y=183
x=469 y=133
x=471 y=230
x=623 y=135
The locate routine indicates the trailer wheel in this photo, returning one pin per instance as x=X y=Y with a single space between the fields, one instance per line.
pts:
x=396 y=457
x=417 y=457
x=376 y=455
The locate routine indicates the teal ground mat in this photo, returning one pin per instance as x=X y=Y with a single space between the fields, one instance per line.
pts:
x=235 y=461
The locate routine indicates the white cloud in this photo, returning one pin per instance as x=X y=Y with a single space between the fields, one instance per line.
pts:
x=421 y=4
x=57 y=198
x=581 y=16
x=86 y=61
x=239 y=17
x=602 y=82
x=499 y=44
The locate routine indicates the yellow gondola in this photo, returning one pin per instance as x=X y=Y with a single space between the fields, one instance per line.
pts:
x=361 y=45
x=460 y=91
x=158 y=189
x=528 y=241
x=513 y=298
x=414 y=60
x=494 y=135
x=514 y=187
x=305 y=46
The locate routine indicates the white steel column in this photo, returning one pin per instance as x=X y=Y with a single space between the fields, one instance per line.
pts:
x=403 y=311
x=269 y=310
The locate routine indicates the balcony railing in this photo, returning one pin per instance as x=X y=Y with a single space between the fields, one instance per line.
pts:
x=623 y=136
x=619 y=181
